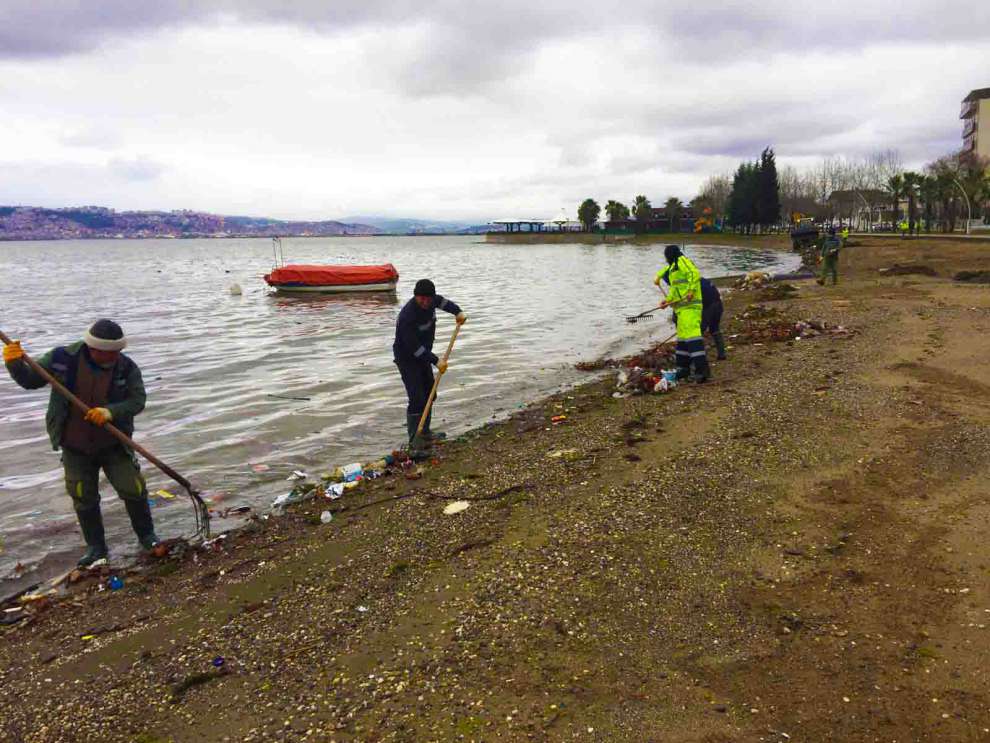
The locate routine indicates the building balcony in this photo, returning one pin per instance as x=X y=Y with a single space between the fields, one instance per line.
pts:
x=969 y=143
x=968 y=109
x=969 y=127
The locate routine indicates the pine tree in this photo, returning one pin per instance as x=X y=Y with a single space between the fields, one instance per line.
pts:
x=742 y=199
x=767 y=205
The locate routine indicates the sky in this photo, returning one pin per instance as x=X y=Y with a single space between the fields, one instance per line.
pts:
x=460 y=110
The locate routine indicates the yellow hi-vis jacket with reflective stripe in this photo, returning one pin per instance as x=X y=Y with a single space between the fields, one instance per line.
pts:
x=684 y=279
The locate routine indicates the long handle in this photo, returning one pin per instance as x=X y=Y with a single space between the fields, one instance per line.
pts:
x=436 y=383
x=114 y=431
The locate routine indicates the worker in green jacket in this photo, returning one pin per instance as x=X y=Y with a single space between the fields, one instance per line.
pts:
x=829 y=257
x=95 y=370
x=685 y=298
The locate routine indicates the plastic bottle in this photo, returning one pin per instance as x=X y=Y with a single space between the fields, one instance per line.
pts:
x=115 y=583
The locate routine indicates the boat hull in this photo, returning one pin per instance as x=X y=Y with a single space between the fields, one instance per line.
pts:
x=334 y=288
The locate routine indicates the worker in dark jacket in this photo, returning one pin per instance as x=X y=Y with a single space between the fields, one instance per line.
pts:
x=711 y=309
x=95 y=370
x=415 y=330
x=711 y=315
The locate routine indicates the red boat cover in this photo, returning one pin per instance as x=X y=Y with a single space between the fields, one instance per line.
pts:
x=332 y=275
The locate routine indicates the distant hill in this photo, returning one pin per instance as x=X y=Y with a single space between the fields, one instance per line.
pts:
x=38 y=223
x=400 y=226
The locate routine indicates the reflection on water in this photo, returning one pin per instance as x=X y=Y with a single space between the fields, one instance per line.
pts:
x=300 y=381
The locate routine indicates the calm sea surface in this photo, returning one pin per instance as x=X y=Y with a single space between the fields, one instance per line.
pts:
x=214 y=364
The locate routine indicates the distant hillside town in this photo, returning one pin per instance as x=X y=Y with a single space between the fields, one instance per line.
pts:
x=37 y=223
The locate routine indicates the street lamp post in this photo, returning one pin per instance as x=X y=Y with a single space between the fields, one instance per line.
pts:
x=869 y=211
x=969 y=208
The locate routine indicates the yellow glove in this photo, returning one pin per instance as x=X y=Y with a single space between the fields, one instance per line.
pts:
x=442 y=366
x=13 y=352
x=98 y=416
x=461 y=318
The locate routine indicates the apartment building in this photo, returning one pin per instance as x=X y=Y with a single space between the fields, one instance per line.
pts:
x=975 y=114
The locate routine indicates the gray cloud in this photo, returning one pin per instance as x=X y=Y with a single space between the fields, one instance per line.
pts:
x=468 y=45
x=141 y=168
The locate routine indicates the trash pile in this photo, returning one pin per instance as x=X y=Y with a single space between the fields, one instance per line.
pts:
x=332 y=485
x=638 y=381
x=764 y=325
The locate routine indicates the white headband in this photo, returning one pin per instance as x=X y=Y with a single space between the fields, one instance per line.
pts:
x=104 y=344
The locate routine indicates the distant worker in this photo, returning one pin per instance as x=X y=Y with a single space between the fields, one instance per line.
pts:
x=711 y=310
x=829 y=257
x=686 y=300
x=415 y=330
x=95 y=371
x=903 y=227
x=845 y=236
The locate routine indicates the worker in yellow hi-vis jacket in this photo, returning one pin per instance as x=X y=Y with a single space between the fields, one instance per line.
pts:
x=685 y=298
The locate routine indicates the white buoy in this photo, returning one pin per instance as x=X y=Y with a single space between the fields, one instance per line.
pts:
x=235 y=290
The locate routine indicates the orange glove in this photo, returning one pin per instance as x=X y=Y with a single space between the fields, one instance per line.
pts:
x=13 y=352
x=442 y=366
x=461 y=318
x=98 y=416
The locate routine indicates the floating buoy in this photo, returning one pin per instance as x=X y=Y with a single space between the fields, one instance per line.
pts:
x=235 y=290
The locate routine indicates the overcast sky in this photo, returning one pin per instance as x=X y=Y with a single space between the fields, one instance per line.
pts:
x=459 y=109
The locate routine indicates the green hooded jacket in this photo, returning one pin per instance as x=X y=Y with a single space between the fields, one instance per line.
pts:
x=126 y=398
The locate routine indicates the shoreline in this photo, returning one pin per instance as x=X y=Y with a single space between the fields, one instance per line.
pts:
x=695 y=561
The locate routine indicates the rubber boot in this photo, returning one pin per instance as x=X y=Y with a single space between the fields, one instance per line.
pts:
x=140 y=513
x=719 y=345
x=419 y=446
x=91 y=525
x=701 y=371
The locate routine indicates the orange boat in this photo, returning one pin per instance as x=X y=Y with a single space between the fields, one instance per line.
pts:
x=333 y=279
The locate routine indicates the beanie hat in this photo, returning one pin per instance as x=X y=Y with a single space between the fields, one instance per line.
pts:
x=105 y=335
x=425 y=288
x=672 y=253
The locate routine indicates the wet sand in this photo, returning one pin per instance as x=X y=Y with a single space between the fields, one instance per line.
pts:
x=794 y=551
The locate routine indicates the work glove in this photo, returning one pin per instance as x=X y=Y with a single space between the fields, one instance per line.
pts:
x=441 y=366
x=13 y=352
x=98 y=416
x=461 y=318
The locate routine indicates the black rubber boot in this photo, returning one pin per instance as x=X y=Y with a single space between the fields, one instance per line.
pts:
x=91 y=525
x=140 y=513
x=701 y=371
x=719 y=345
x=419 y=446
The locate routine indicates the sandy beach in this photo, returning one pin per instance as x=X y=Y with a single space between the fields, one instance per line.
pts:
x=795 y=551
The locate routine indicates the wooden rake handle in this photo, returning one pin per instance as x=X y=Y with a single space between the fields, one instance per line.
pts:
x=436 y=383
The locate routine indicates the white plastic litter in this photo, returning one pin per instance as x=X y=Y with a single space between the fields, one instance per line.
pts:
x=326 y=517
x=456 y=507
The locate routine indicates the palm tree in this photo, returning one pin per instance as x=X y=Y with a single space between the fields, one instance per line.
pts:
x=642 y=211
x=946 y=193
x=673 y=208
x=616 y=211
x=928 y=193
x=912 y=182
x=895 y=187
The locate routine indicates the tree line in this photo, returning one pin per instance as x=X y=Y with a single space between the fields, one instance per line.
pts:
x=615 y=211
x=839 y=189
x=869 y=189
